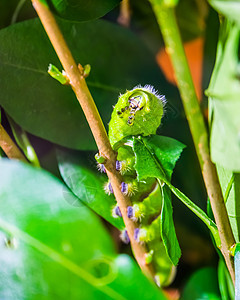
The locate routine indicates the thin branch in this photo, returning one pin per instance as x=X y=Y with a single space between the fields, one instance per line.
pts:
x=168 y=25
x=124 y=18
x=23 y=142
x=17 y=11
x=84 y=97
x=9 y=147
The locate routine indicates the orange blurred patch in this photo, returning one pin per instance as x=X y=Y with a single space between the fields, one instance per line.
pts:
x=194 y=53
x=171 y=294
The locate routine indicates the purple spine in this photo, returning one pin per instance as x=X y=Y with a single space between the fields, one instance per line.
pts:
x=136 y=233
x=110 y=187
x=125 y=237
x=118 y=211
x=124 y=187
x=118 y=165
x=130 y=212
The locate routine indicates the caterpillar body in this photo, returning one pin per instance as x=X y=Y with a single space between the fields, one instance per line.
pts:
x=138 y=112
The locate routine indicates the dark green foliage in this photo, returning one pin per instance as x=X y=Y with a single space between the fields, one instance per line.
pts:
x=202 y=285
x=82 y=10
x=52 y=110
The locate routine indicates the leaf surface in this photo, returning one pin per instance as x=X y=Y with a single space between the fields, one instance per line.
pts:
x=225 y=283
x=202 y=285
x=230 y=183
x=224 y=103
x=224 y=122
x=81 y=10
x=87 y=184
x=160 y=154
x=45 y=108
x=228 y=8
x=51 y=249
x=34 y=205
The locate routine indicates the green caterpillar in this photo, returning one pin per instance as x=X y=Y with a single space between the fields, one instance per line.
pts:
x=138 y=113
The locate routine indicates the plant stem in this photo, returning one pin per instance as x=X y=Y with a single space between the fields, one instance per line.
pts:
x=23 y=142
x=94 y=120
x=17 y=10
x=198 y=212
x=174 y=47
x=9 y=147
x=125 y=13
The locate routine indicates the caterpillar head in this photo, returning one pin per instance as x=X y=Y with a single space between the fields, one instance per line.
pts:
x=137 y=112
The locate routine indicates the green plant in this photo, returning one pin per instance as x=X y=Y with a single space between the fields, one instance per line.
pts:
x=51 y=228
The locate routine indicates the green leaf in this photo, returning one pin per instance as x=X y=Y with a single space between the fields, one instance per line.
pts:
x=165 y=151
x=56 y=74
x=80 y=10
x=167 y=227
x=40 y=219
x=133 y=282
x=202 y=285
x=230 y=184
x=228 y=8
x=51 y=249
x=50 y=110
x=87 y=184
x=224 y=104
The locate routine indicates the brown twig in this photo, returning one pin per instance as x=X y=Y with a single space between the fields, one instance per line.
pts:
x=9 y=147
x=125 y=13
x=84 y=97
x=168 y=25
